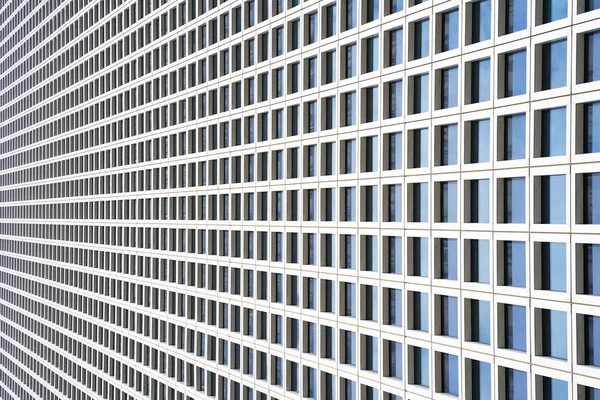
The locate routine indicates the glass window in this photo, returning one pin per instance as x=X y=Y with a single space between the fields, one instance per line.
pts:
x=515 y=76
x=591 y=127
x=330 y=67
x=553 y=10
x=394 y=99
x=553 y=334
x=554 y=65
x=394 y=354
x=515 y=383
x=480 y=81
x=394 y=255
x=394 y=6
x=421 y=39
x=350 y=14
x=420 y=93
x=448 y=316
x=372 y=54
x=590 y=269
x=449 y=374
x=447 y=145
x=420 y=256
x=394 y=151
x=477 y=209
x=394 y=307
x=514 y=336
x=449 y=37
x=478 y=321
x=512 y=264
x=552 y=261
x=395 y=47
x=420 y=202
x=478 y=265
x=420 y=311
x=420 y=366
x=394 y=199
x=350 y=53
x=371 y=104
x=330 y=21
x=591 y=56
x=372 y=10
x=448 y=259
x=591 y=198
x=477 y=143
x=312 y=27
x=350 y=204
x=448 y=88
x=350 y=109
x=448 y=202
x=552 y=388
x=553 y=127
x=591 y=340
x=515 y=134
x=515 y=16
x=479 y=379
x=481 y=12
x=553 y=198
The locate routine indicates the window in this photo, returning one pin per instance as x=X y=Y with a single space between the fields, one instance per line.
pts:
x=418 y=311
x=477 y=141
x=329 y=61
x=419 y=364
x=552 y=10
x=393 y=6
x=477 y=201
x=447 y=198
x=591 y=56
x=394 y=203
x=512 y=263
x=419 y=193
x=477 y=321
x=446 y=258
x=392 y=359
x=349 y=108
x=588 y=132
x=552 y=388
x=449 y=30
x=588 y=198
x=330 y=21
x=393 y=151
x=394 y=93
x=447 y=145
x=552 y=132
x=371 y=104
x=512 y=320
x=448 y=365
x=513 y=16
x=420 y=93
x=513 y=384
x=589 y=328
x=477 y=260
x=478 y=379
x=553 y=65
x=394 y=47
x=551 y=266
x=448 y=88
x=588 y=269
x=329 y=112
x=370 y=353
x=372 y=54
x=371 y=11
x=420 y=44
x=551 y=205
x=312 y=22
x=447 y=316
x=311 y=76
x=551 y=332
x=349 y=65
x=512 y=135
x=393 y=307
x=479 y=16
x=351 y=9
x=418 y=256
x=478 y=86
x=513 y=66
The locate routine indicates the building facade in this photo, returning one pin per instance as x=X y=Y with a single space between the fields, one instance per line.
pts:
x=286 y=199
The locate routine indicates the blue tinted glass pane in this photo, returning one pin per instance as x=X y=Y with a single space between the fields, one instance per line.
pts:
x=515 y=74
x=395 y=47
x=515 y=200
x=395 y=255
x=421 y=148
x=396 y=360
x=591 y=57
x=516 y=328
x=515 y=262
x=396 y=5
x=450 y=374
x=554 y=326
x=554 y=266
x=554 y=208
x=450 y=316
x=480 y=81
x=554 y=389
x=516 y=16
x=554 y=10
x=554 y=65
x=516 y=384
x=480 y=141
x=420 y=256
x=480 y=201
x=480 y=313
x=515 y=134
x=395 y=150
x=591 y=269
x=481 y=17
x=591 y=195
x=481 y=380
x=421 y=368
x=554 y=127
x=449 y=258
x=449 y=95
x=395 y=109
x=449 y=145
x=421 y=41
x=450 y=30
x=421 y=303
x=421 y=202
x=480 y=261
x=592 y=340
x=448 y=199
x=592 y=5
x=591 y=127
x=421 y=93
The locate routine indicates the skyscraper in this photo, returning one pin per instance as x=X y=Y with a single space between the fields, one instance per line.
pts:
x=300 y=199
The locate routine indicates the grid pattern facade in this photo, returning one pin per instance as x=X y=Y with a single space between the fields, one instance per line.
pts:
x=284 y=199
